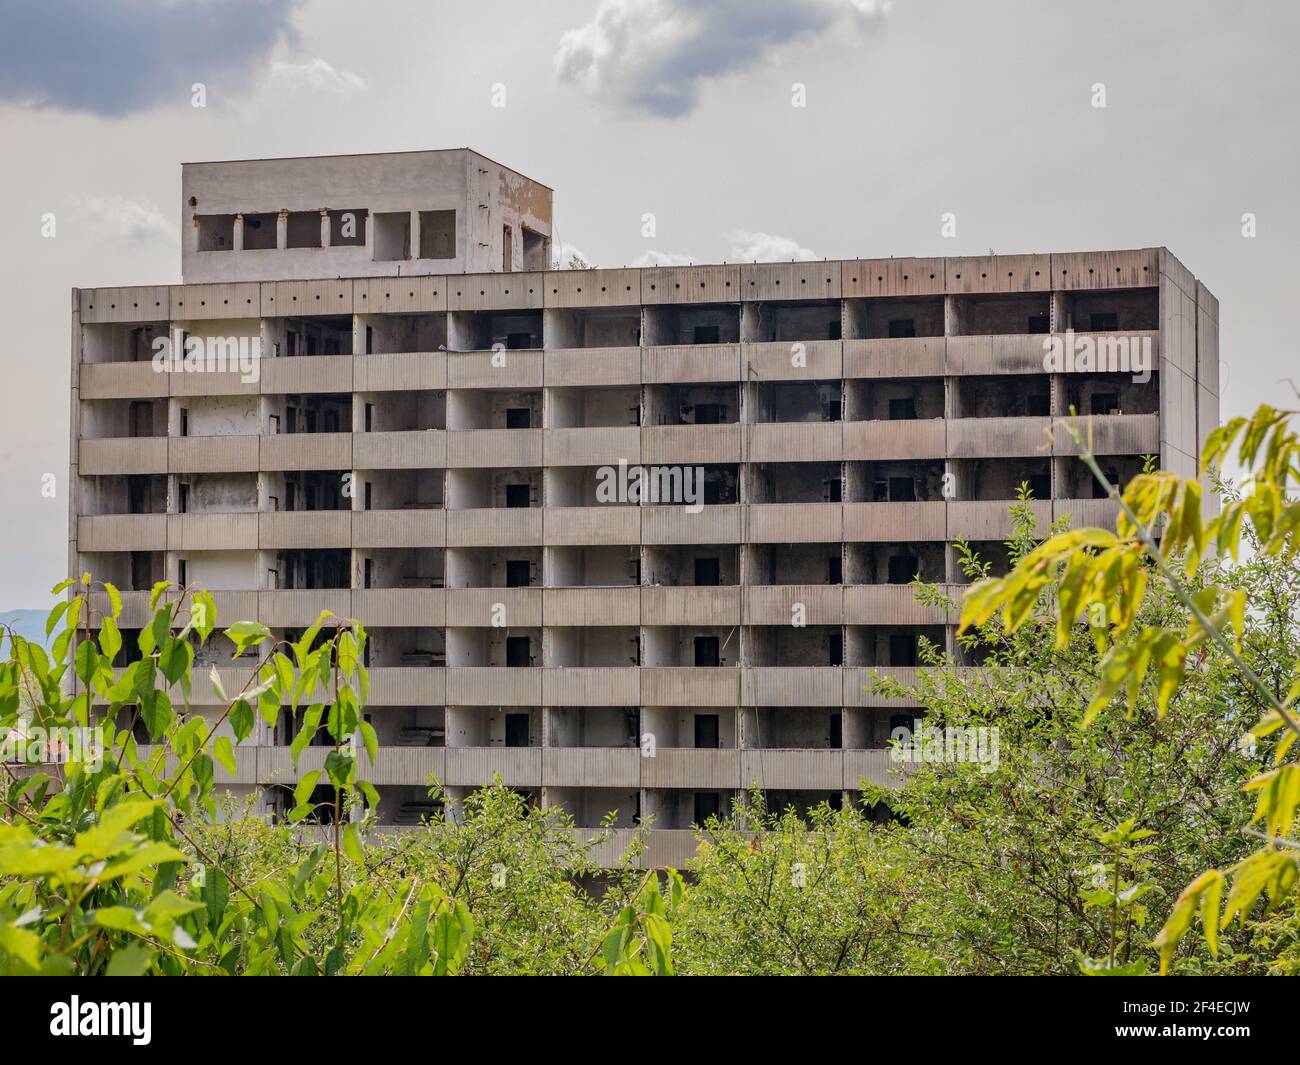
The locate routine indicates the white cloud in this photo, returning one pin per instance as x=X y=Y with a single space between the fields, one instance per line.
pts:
x=653 y=55
x=663 y=258
x=116 y=218
x=315 y=75
x=749 y=245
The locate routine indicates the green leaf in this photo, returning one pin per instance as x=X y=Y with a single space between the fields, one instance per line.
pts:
x=302 y=792
x=156 y=712
x=110 y=639
x=352 y=844
x=245 y=634
x=120 y=918
x=224 y=752
x=241 y=720
x=175 y=659
x=203 y=614
x=132 y=960
x=114 y=600
x=370 y=739
x=52 y=620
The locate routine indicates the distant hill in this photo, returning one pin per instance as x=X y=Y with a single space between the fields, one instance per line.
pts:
x=29 y=624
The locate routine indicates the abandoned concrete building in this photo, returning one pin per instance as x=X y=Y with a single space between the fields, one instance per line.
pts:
x=418 y=418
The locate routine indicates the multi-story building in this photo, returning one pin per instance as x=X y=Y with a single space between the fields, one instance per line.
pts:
x=439 y=430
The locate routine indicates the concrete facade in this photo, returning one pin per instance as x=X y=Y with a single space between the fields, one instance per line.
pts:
x=431 y=452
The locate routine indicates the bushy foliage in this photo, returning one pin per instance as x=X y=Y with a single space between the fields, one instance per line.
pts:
x=1143 y=684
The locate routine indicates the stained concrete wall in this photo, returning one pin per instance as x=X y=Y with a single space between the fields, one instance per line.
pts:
x=485 y=196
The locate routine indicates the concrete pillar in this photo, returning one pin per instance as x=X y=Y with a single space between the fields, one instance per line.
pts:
x=1060 y=316
x=324 y=227
x=282 y=230
x=951 y=316
x=238 y=239
x=415 y=234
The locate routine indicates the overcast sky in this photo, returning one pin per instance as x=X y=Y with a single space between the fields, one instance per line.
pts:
x=681 y=108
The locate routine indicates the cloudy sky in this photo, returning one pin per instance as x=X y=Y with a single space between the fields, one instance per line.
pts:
x=682 y=108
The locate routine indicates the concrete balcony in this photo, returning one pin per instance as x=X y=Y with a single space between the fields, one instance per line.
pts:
x=231 y=607
x=121 y=456
x=791 y=769
x=470 y=448
x=718 y=524
x=412 y=449
x=121 y=380
x=794 y=523
x=795 y=360
x=408 y=686
x=873 y=767
x=603 y=446
x=306 y=451
x=219 y=383
x=298 y=608
x=122 y=532
x=662 y=847
x=591 y=606
x=494 y=686
x=893 y=604
x=306 y=373
x=908 y=357
x=491 y=369
x=990 y=519
x=213 y=454
x=821 y=604
x=1087 y=513
x=305 y=528
x=690 y=445
x=859 y=682
x=794 y=442
x=492 y=607
x=978 y=438
x=246 y=764
x=690 y=284
x=518 y=767
x=671 y=848
x=662 y=605
x=592 y=367
x=887 y=440
x=592 y=525
x=591 y=767
x=690 y=686
x=591 y=686
x=1018 y=353
x=684 y=363
x=399 y=528
x=1113 y=434
x=233 y=680
x=592 y=288
x=676 y=767
x=398 y=372
x=791 y=686
x=894 y=522
x=495 y=527
x=394 y=765
x=400 y=607
x=213 y=532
